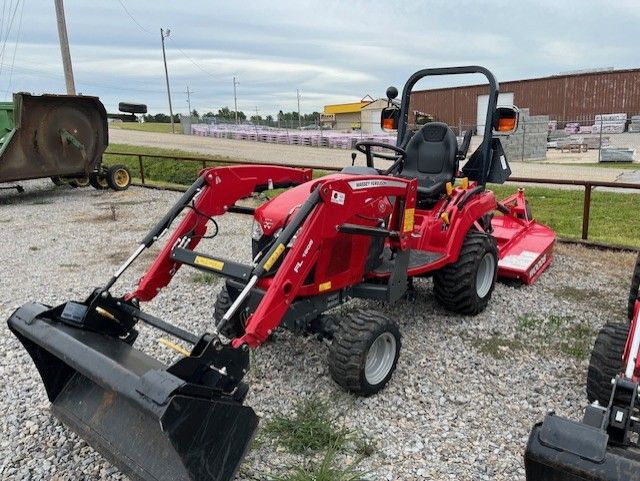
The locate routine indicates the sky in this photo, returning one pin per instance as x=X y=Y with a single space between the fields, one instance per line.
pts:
x=332 y=51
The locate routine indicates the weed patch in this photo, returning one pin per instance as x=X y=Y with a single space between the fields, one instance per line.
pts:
x=326 y=470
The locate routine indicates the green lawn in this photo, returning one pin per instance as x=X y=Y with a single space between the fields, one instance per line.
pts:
x=614 y=216
x=146 y=126
x=601 y=165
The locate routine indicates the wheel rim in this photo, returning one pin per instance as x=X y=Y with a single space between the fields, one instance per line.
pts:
x=485 y=275
x=121 y=177
x=82 y=181
x=380 y=358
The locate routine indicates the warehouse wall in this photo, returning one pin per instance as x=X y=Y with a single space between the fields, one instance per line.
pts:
x=565 y=97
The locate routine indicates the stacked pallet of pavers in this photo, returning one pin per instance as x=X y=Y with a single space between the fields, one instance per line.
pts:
x=609 y=123
x=634 y=126
x=535 y=129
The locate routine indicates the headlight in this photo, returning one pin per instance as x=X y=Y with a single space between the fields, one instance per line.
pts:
x=256 y=231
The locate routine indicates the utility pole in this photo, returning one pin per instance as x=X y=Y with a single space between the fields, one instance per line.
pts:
x=189 y=92
x=64 y=48
x=235 y=98
x=299 y=119
x=166 y=74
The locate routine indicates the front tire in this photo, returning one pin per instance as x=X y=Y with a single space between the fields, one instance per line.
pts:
x=234 y=328
x=364 y=352
x=466 y=285
x=606 y=361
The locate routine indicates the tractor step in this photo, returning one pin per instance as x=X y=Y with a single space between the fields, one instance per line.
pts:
x=142 y=416
x=417 y=259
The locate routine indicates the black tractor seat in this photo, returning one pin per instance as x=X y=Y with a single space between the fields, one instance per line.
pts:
x=432 y=158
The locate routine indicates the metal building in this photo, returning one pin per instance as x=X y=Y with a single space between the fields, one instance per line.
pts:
x=577 y=97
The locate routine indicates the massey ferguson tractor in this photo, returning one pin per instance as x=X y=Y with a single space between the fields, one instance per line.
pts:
x=365 y=232
x=605 y=445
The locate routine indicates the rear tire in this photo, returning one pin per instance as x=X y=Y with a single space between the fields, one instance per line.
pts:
x=606 y=361
x=119 y=177
x=58 y=181
x=466 y=285
x=634 y=293
x=235 y=328
x=364 y=352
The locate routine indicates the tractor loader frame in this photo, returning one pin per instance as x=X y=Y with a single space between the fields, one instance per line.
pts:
x=187 y=421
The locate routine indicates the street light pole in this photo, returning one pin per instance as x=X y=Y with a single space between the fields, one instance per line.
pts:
x=64 y=48
x=166 y=74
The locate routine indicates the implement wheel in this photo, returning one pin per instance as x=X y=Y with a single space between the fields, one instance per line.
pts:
x=466 y=285
x=58 y=181
x=364 y=351
x=606 y=361
x=634 y=293
x=98 y=180
x=79 y=182
x=119 y=177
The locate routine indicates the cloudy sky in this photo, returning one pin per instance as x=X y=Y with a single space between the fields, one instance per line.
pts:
x=333 y=51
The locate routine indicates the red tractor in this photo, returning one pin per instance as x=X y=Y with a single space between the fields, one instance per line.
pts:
x=605 y=445
x=365 y=232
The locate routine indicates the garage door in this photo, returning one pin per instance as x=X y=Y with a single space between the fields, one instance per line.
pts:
x=505 y=99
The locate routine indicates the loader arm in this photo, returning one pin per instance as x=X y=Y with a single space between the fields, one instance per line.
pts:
x=222 y=188
x=331 y=205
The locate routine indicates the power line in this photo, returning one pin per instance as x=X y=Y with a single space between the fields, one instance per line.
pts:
x=9 y=26
x=134 y=20
x=15 y=49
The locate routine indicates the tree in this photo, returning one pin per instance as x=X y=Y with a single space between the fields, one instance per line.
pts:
x=195 y=113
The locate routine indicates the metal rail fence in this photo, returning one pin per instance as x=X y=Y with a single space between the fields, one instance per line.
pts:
x=207 y=162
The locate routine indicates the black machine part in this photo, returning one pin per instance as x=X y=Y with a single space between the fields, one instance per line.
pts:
x=603 y=447
x=182 y=422
x=55 y=135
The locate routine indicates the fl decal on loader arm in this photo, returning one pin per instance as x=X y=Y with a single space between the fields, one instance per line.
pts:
x=187 y=421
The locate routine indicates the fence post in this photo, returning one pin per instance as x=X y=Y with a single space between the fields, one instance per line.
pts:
x=204 y=164
x=524 y=134
x=600 y=143
x=585 y=210
x=141 y=169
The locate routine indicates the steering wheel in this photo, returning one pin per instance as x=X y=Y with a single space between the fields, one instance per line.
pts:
x=366 y=145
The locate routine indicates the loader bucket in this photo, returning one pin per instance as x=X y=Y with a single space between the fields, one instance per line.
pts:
x=51 y=135
x=563 y=450
x=147 y=421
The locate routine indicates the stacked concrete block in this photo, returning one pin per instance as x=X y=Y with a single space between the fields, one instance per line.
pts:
x=634 y=126
x=529 y=142
x=609 y=123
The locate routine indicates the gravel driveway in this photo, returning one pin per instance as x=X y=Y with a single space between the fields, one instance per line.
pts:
x=460 y=405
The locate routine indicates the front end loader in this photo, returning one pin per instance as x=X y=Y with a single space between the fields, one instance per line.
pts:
x=365 y=232
x=605 y=445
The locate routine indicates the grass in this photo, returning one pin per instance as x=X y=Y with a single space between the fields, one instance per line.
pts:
x=603 y=165
x=326 y=470
x=205 y=278
x=310 y=429
x=614 y=216
x=557 y=334
x=146 y=127
x=497 y=347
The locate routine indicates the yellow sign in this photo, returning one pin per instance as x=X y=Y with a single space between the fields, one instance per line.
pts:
x=409 y=219
x=274 y=257
x=210 y=263
x=325 y=286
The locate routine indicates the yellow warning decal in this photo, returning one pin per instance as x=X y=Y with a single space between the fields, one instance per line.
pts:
x=274 y=257
x=325 y=286
x=409 y=215
x=210 y=263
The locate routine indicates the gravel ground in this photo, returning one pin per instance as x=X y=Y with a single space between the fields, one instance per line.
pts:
x=460 y=405
x=296 y=154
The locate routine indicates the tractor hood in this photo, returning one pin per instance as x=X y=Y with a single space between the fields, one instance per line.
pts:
x=272 y=214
